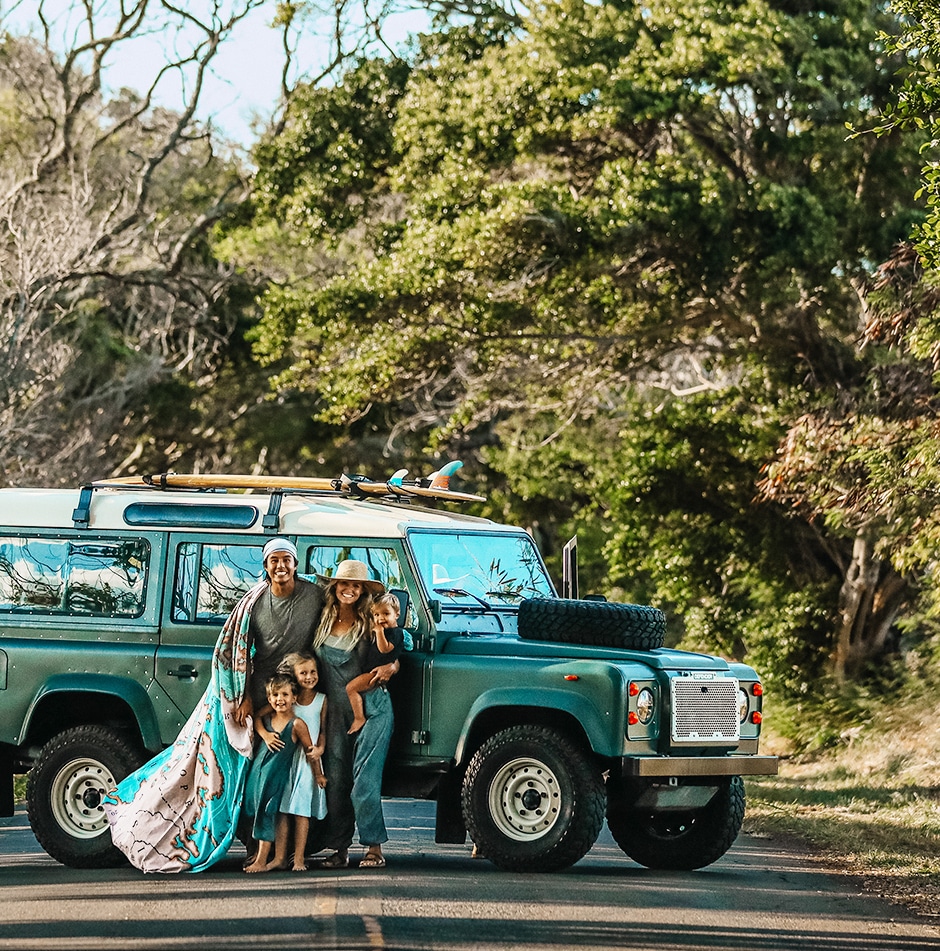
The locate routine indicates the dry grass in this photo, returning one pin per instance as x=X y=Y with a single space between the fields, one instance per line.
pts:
x=871 y=805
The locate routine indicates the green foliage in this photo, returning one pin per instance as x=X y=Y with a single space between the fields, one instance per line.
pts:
x=617 y=248
x=586 y=194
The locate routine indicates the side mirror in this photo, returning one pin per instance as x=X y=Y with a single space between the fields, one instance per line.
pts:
x=435 y=605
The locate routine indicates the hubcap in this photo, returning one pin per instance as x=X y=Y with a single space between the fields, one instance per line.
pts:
x=524 y=799
x=76 y=797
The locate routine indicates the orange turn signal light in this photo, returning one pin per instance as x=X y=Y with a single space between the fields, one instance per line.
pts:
x=632 y=718
x=571 y=676
x=757 y=690
x=756 y=717
x=634 y=689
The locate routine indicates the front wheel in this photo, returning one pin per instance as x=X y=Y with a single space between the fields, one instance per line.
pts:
x=532 y=800
x=681 y=839
x=71 y=776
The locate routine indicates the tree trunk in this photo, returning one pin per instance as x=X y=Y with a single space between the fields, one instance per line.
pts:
x=870 y=598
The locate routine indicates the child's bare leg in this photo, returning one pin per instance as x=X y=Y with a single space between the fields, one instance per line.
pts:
x=260 y=864
x=281 y=835
x=301 y=828
x=359 y=717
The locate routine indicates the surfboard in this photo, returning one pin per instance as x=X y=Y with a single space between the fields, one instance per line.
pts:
x=182 y=480
x=345 y=484
x=406 y=489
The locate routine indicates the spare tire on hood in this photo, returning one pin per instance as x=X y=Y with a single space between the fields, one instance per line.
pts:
x=599 y=623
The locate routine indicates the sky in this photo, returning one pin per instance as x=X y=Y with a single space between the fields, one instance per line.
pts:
x=246 y=75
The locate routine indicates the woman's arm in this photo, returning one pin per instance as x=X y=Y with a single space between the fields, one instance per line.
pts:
x=382 y=675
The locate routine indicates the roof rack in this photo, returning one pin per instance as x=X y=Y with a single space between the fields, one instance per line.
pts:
x=435 y=486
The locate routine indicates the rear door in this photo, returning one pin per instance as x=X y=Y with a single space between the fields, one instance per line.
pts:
x=207 y=574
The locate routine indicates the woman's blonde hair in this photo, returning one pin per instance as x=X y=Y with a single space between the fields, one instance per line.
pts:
x=363 y=624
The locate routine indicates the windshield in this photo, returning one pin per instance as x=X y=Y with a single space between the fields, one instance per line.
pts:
x=480 y=569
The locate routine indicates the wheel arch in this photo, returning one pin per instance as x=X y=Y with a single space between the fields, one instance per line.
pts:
x=499 y=709
x=67 y=700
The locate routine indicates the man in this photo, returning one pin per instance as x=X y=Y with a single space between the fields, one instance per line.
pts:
x=283 y=619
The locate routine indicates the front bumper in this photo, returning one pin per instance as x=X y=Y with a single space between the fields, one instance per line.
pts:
x=649 y=766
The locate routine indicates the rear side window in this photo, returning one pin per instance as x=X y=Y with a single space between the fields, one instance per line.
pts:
x=73 y=576
x=210 y=580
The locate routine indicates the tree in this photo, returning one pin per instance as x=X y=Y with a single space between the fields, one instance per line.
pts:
x=108 y=288
x=868 y=463
x=606 y=219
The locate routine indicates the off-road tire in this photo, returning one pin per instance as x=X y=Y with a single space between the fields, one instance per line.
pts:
x=599 y=623
x=532 y=799
x=70 y=777
x=677 y=840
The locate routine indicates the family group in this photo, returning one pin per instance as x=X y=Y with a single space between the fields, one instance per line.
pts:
x=286 y=749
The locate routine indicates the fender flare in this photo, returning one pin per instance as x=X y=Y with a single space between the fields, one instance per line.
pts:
x=123 y=688
x=579 y=708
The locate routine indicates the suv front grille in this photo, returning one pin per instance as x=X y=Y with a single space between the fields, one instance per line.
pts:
x=705 y=710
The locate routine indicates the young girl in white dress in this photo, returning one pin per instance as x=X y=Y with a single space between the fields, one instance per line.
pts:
x=305 y=794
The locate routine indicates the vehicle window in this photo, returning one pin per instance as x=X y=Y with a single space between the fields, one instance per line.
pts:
x=100 y=578
x=210 y=580
x=383 y=563
x=468 y=568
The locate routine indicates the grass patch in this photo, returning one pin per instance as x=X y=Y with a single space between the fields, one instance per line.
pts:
x=870 y=803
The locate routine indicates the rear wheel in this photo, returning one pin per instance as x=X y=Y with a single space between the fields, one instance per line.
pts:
x=532 y=800
x=65 y=789
x=677 y=838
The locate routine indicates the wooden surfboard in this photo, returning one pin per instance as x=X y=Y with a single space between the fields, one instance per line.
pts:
x=182 y=480
x=345 y=484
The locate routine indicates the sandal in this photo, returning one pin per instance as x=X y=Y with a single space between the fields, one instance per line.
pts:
x=371 y=860
x=336 y=860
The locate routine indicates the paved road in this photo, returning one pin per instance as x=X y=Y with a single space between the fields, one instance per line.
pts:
x=759 y=896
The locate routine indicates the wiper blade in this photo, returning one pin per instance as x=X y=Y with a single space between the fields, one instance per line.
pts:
x=463 y=593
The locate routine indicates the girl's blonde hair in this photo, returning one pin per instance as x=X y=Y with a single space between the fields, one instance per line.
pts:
x=279 y=679
x=362 y=625
x=290 y=661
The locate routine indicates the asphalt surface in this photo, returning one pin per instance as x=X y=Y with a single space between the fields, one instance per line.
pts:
x=761 y=895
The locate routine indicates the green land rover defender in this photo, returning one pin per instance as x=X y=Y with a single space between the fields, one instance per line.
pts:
x=527 y=717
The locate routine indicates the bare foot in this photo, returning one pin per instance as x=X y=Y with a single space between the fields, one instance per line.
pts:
x=255 y=867
x=276 y=866
x=357 y=725
x=299 y=867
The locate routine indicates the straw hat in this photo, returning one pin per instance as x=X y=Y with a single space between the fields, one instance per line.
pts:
x=352 y=570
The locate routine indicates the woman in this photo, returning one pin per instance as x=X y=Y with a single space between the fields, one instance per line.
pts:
x=353 y=763
x=178 y=812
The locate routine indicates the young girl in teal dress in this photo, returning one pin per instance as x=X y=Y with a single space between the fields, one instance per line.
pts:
x=270 y=770
x=305 y=794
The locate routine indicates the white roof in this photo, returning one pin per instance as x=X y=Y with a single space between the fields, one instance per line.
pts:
x=329 y=514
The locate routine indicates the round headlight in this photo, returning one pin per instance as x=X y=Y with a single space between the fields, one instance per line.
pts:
x=645 y=705
x=743 y=704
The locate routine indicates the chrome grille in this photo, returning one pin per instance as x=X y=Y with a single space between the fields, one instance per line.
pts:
x=705 y=710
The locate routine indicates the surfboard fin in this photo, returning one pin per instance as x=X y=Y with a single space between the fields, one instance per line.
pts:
x=441 y=478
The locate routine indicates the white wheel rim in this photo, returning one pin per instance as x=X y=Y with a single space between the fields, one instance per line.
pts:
x=524 y=799
x=77 y=792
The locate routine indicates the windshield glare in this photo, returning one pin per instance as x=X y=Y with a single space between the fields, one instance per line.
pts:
x=469 y=568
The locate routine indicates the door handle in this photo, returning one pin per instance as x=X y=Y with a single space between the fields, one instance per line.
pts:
x=185 y=672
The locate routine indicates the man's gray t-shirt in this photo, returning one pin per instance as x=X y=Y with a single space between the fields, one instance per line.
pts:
x=280 y=626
